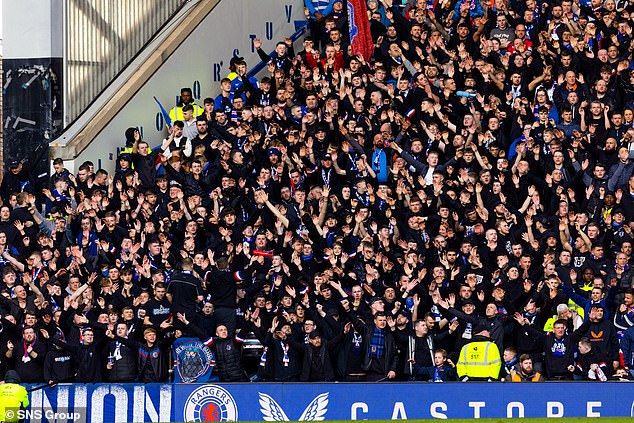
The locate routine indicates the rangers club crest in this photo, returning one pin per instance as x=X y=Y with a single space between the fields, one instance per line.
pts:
x=210 y=403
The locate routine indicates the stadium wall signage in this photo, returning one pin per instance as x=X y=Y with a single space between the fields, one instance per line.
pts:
x=340 y=401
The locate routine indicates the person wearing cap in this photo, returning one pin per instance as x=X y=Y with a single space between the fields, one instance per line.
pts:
x=59 y=365
x=15 y=179
x=124 y=169
x=317 y=364
x=13 y=397
x=377 y=305
x=87 y=354
x=326 y=174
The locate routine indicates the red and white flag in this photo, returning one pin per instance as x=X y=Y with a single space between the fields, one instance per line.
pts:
x=360 y=37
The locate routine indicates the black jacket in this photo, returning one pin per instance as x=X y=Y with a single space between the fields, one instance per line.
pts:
x=88 y=358
x=604 y=340
x=30 y=369
x=559 y=354
x=124 y=368
x=389 y=361
x=282 y=363
x=59 y=366
x=184 y=288
x=229 y=359
x=317 y=363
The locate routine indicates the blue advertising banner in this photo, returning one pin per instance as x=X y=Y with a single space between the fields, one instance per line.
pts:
x=316 y=402
x=88 y=403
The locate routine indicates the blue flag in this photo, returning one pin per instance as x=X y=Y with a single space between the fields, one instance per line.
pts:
x=166 y=116
x=193 y=361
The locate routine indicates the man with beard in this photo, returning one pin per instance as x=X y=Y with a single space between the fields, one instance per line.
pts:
x=203 y=137
x=28 y=356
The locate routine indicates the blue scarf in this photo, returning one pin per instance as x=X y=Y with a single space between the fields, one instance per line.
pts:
x=509 y=364
x=437 y=377
x=377 y=344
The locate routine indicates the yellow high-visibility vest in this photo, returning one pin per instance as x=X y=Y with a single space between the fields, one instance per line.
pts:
x=176 y=113
x=480 y=359
x=13 y=397
x=550 y=323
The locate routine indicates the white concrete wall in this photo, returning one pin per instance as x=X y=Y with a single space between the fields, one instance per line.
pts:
x=201 y=61
x=32 y=28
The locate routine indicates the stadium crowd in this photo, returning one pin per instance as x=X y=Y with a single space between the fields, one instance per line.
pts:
x=366 y=219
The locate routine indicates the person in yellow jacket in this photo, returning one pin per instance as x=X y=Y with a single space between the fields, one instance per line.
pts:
x=480 y=359
x=13 y=397
x=186 y=98
x=526 y=373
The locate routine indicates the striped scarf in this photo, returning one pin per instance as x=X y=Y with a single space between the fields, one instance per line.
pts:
x=377 y=344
